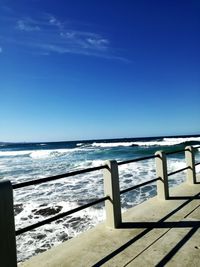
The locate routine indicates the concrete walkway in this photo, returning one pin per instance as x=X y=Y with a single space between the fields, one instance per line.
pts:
x=154 y=233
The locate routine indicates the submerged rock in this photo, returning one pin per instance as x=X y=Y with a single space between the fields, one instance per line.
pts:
x=63 y=237
x=48 y=211
x=18 y=208
x=40 y=236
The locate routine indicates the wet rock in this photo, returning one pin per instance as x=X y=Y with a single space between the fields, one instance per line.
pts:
x=147 y=188
x=127 y=175
x=49 y=230
x=40 y=236
x=63 y=237
x=75 y=219
x=39 y=250
x=48 y=211
x=18 y=208
x=59 y=221
x=24 y=219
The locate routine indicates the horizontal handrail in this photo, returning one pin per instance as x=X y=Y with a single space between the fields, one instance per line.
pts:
x=138 y=185
x=64 y=214
x=180 y=170
x=137 y=159
x=197 y=163
x=59 y=216
x=177 y=151
x=56 y=177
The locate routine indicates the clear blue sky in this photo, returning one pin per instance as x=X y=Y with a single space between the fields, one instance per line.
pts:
x=72 y=70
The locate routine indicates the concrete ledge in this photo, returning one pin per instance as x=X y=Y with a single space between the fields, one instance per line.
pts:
x=154 y=233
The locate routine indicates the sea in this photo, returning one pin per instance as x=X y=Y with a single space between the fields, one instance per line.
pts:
x=21 y=162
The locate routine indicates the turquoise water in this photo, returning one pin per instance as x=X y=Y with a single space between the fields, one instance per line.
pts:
x=28 y=161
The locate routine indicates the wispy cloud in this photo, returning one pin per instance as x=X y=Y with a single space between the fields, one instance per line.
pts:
x=55 y=22
x=47 y=34
x=27 y=25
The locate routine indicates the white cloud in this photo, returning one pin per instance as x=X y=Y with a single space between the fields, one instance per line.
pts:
x=46 y=34
x=52 y=35
x=98 y=43
x=25 y=25
x=85 y=40
x=55 y=22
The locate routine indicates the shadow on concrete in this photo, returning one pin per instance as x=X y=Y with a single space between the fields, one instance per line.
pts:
x=153 y=225
x=149 y=226
x=175 y=249
x=183 y=197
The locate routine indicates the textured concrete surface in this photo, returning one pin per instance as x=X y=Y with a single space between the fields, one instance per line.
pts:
x=154 y=233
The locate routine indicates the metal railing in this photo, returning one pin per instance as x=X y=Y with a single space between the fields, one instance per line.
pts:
x=78 y=172
x=56 y=177
x=179 y=151
x=111 y=198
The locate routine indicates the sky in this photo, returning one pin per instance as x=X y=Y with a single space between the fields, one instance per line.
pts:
x=95 y=69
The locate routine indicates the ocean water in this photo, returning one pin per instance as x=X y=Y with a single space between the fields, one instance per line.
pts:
x=28 y=161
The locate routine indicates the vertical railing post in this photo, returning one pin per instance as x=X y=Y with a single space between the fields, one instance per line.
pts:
x=190 y=162
x=8 y=256
x=161 y=172
x=111 y=189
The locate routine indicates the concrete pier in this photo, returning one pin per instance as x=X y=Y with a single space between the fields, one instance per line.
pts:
x=155 y=233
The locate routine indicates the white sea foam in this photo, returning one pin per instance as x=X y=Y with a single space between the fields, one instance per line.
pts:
x=64 y=193
x=168 y=141
x=71 y=192
x=40 y=153
x=95 y=144
x=14 y=153
x=79 y=144
x=163 y=142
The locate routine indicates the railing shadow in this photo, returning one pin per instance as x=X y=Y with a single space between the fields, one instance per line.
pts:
x=176 y=248
x=149 y=226
x=183 y=197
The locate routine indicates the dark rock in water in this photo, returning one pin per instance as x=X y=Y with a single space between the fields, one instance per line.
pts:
x=40 y=236
x=59 y=221
x=18 y=208
x=127 y=175
x=24 y=218
x=48 y=211
x=74 y=219
x=146 y=188
x=76 y=222
x=63 y=237
x=39 y=250
x=128 y=181
x=49 y=230
x=134 y=145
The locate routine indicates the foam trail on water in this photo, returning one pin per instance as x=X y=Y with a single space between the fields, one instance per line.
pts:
x=163 y=142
